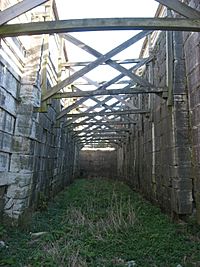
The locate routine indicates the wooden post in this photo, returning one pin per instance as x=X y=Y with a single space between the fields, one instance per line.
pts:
x=45 y=59
x=169 y=63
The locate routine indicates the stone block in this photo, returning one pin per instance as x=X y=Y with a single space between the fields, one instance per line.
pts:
x=14 y=207
x=24 y=120
x=182 y=137
x=28 y=92
x=9 y=82
x=5 y=141
x=182 y=184
x=9 y=123
x=7 y=102
x=178 y=51
x=193 y=81
x=4 y=162
x=181 y=172
x=181 y=119
x=23 y=145
x=16 y=192
x=183 y=155
x=21 y=163
x=182 y=201
x=2 y=119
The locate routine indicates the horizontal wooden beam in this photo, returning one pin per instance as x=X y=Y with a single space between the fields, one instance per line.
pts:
x=181 y=8
x=98 y=137
x=102 y=123
x=78 y=83
x=100 y=24
x=89 y=138
x=94 y=114
x=105 y=142
x=103 y=130
x=102 y=134
x=131 y=91
x=18 y=9
x=84 y=63
x=109 y=143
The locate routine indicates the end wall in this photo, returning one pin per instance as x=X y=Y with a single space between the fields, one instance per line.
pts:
x=98 y=164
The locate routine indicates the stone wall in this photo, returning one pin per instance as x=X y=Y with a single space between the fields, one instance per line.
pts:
x=157 y=158
x=191 y=43
x=98 y=164
x=38 y=156
x=9 y=86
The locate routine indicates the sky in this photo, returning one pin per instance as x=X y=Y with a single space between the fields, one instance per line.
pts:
x=106 y=40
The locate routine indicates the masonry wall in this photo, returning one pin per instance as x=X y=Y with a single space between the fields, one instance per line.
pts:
x=38 y=156
x=98 y=164
x=161 y=157
x=191 y=43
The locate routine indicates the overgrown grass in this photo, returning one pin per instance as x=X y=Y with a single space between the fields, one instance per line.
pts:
x=96 y=223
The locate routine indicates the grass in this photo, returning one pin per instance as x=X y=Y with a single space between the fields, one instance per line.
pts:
x=97 y=223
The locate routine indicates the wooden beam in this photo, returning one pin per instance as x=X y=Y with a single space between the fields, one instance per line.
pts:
x=98 y=137
x=105 y=142
x=100 y=24
x=102 y=123
x=121 y=100
x=110 y=143
x=104 y=136
x=110 y=62
x=102 y=130
x=96 y=84
x=98 y=131
x=102 y=87
x=78 y=83
x=121 y=112
x=105 y=118
x=108 y=83
x=108 y=124
x=84 y=63
x=87 y=139
x=18 y=9
x=94 y=64
x=131 y=91
x=99 y=103
x=169 y=63
x=181 y=8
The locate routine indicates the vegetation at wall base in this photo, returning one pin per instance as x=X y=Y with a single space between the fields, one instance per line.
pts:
x=97 y=223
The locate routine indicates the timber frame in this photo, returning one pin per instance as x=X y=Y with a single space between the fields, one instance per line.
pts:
x=102 y=122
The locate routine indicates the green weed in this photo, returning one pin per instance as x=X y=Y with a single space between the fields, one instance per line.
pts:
x=100 y=223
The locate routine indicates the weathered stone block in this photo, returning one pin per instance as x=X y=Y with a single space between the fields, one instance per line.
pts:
x=183 y=155
x=7 y=102
x=5 y=141
x=182 y=201
x=14 y=207
x=4 y=162
x=9 y=123
x=23 y=145
x=9 y=83
x=21 y=163
x=2 y=119
x=16 y=192
x=182 y=184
